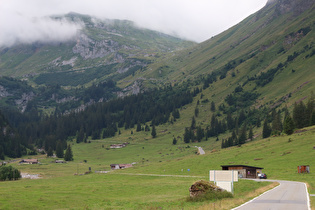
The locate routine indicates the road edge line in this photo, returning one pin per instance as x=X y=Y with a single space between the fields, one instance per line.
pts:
x=308 y=197
x=257 y=197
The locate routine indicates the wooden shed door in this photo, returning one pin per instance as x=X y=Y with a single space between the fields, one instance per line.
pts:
x=251 y=173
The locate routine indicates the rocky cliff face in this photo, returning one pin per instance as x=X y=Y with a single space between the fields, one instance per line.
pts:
x=3 y=92
x=23 y=101
x=295 y=6
x=90 y=49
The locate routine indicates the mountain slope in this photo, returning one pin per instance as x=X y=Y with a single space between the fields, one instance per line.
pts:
x=98 y=44
x=278 y=39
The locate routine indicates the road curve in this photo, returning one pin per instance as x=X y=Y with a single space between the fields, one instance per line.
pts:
x=287 y=196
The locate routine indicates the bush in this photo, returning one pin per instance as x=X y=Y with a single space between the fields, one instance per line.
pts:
x=212 y=195
x=9 y=173
x=204 y=190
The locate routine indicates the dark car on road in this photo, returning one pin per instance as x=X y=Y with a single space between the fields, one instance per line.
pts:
x=262 y=176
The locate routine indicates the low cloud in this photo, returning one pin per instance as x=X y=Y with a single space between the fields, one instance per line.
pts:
x=27 y=30
x=29 y=21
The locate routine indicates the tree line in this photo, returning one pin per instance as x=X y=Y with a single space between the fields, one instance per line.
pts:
x=100 y=120
x=241 y=123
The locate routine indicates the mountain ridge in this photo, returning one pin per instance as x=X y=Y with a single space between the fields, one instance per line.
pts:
x=239 y=55
x=98 y=42
x=257 y=44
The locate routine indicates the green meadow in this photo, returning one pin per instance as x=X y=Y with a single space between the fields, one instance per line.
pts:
x=160 y=179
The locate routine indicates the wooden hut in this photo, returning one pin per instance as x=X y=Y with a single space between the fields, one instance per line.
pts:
x=244 y=171
x=29 y=161
x=303 y=169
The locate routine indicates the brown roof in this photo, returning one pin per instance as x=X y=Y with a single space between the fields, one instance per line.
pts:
x=241 y=166
x=30 y=160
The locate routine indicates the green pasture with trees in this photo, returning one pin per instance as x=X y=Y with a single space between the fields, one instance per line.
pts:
x=160 y=178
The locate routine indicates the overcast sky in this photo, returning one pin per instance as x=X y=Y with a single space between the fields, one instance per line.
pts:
x=27 y=21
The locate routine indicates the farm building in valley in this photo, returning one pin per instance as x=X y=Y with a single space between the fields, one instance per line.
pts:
x=244 y=171
x=120 y=166
x=29 y=161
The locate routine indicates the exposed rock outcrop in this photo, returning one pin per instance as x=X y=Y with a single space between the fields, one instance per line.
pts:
x=91 y=49
x=295 y=6
x=22 y=103
x=3 y=92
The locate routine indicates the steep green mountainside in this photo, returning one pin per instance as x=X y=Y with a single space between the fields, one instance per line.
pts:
x=101 y=49
x=271 y=51
x=244 y=96
x=71 y=75
x=228 y=90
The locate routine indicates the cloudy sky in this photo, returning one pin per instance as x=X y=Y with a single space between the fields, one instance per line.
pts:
x=27 y=21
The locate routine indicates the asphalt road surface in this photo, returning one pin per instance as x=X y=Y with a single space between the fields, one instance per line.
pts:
x=287 y=196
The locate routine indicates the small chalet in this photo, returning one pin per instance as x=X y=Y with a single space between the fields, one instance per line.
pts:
x=303 y=169
x=29 y=161
x=120 y=166
x=244 y=171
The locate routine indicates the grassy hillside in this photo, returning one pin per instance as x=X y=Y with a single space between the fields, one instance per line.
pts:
x=270 y=54
x=265 y=41
x=145 y=185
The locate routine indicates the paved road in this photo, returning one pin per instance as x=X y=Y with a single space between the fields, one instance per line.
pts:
x=287 y=196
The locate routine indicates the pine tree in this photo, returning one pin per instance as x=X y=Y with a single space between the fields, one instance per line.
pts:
x=9 y=173
x=196 y=112
x=200 y=133
x=229 y=142
x=258 y=122
x=50 y=152
x=147 y=128
x=234 y=138
x=242 y=138
x=59 y=149
x=1 y=153
x=250 y=133
x=288 y=125
x=187 y=135
x=80 y=135
x=241 y=117
x=229 y=121
x=174 y=141
x=236 y=126
x=300 y=117
x=212 y=107
x=138 y=127
x=153 y=133
x=266 y=129
x=193 y=123
x=310 y=110
x=313 y=118
x=276 y=122
x=176 y=114
x=68 y=154
x=286 y=112
x=223 y=144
